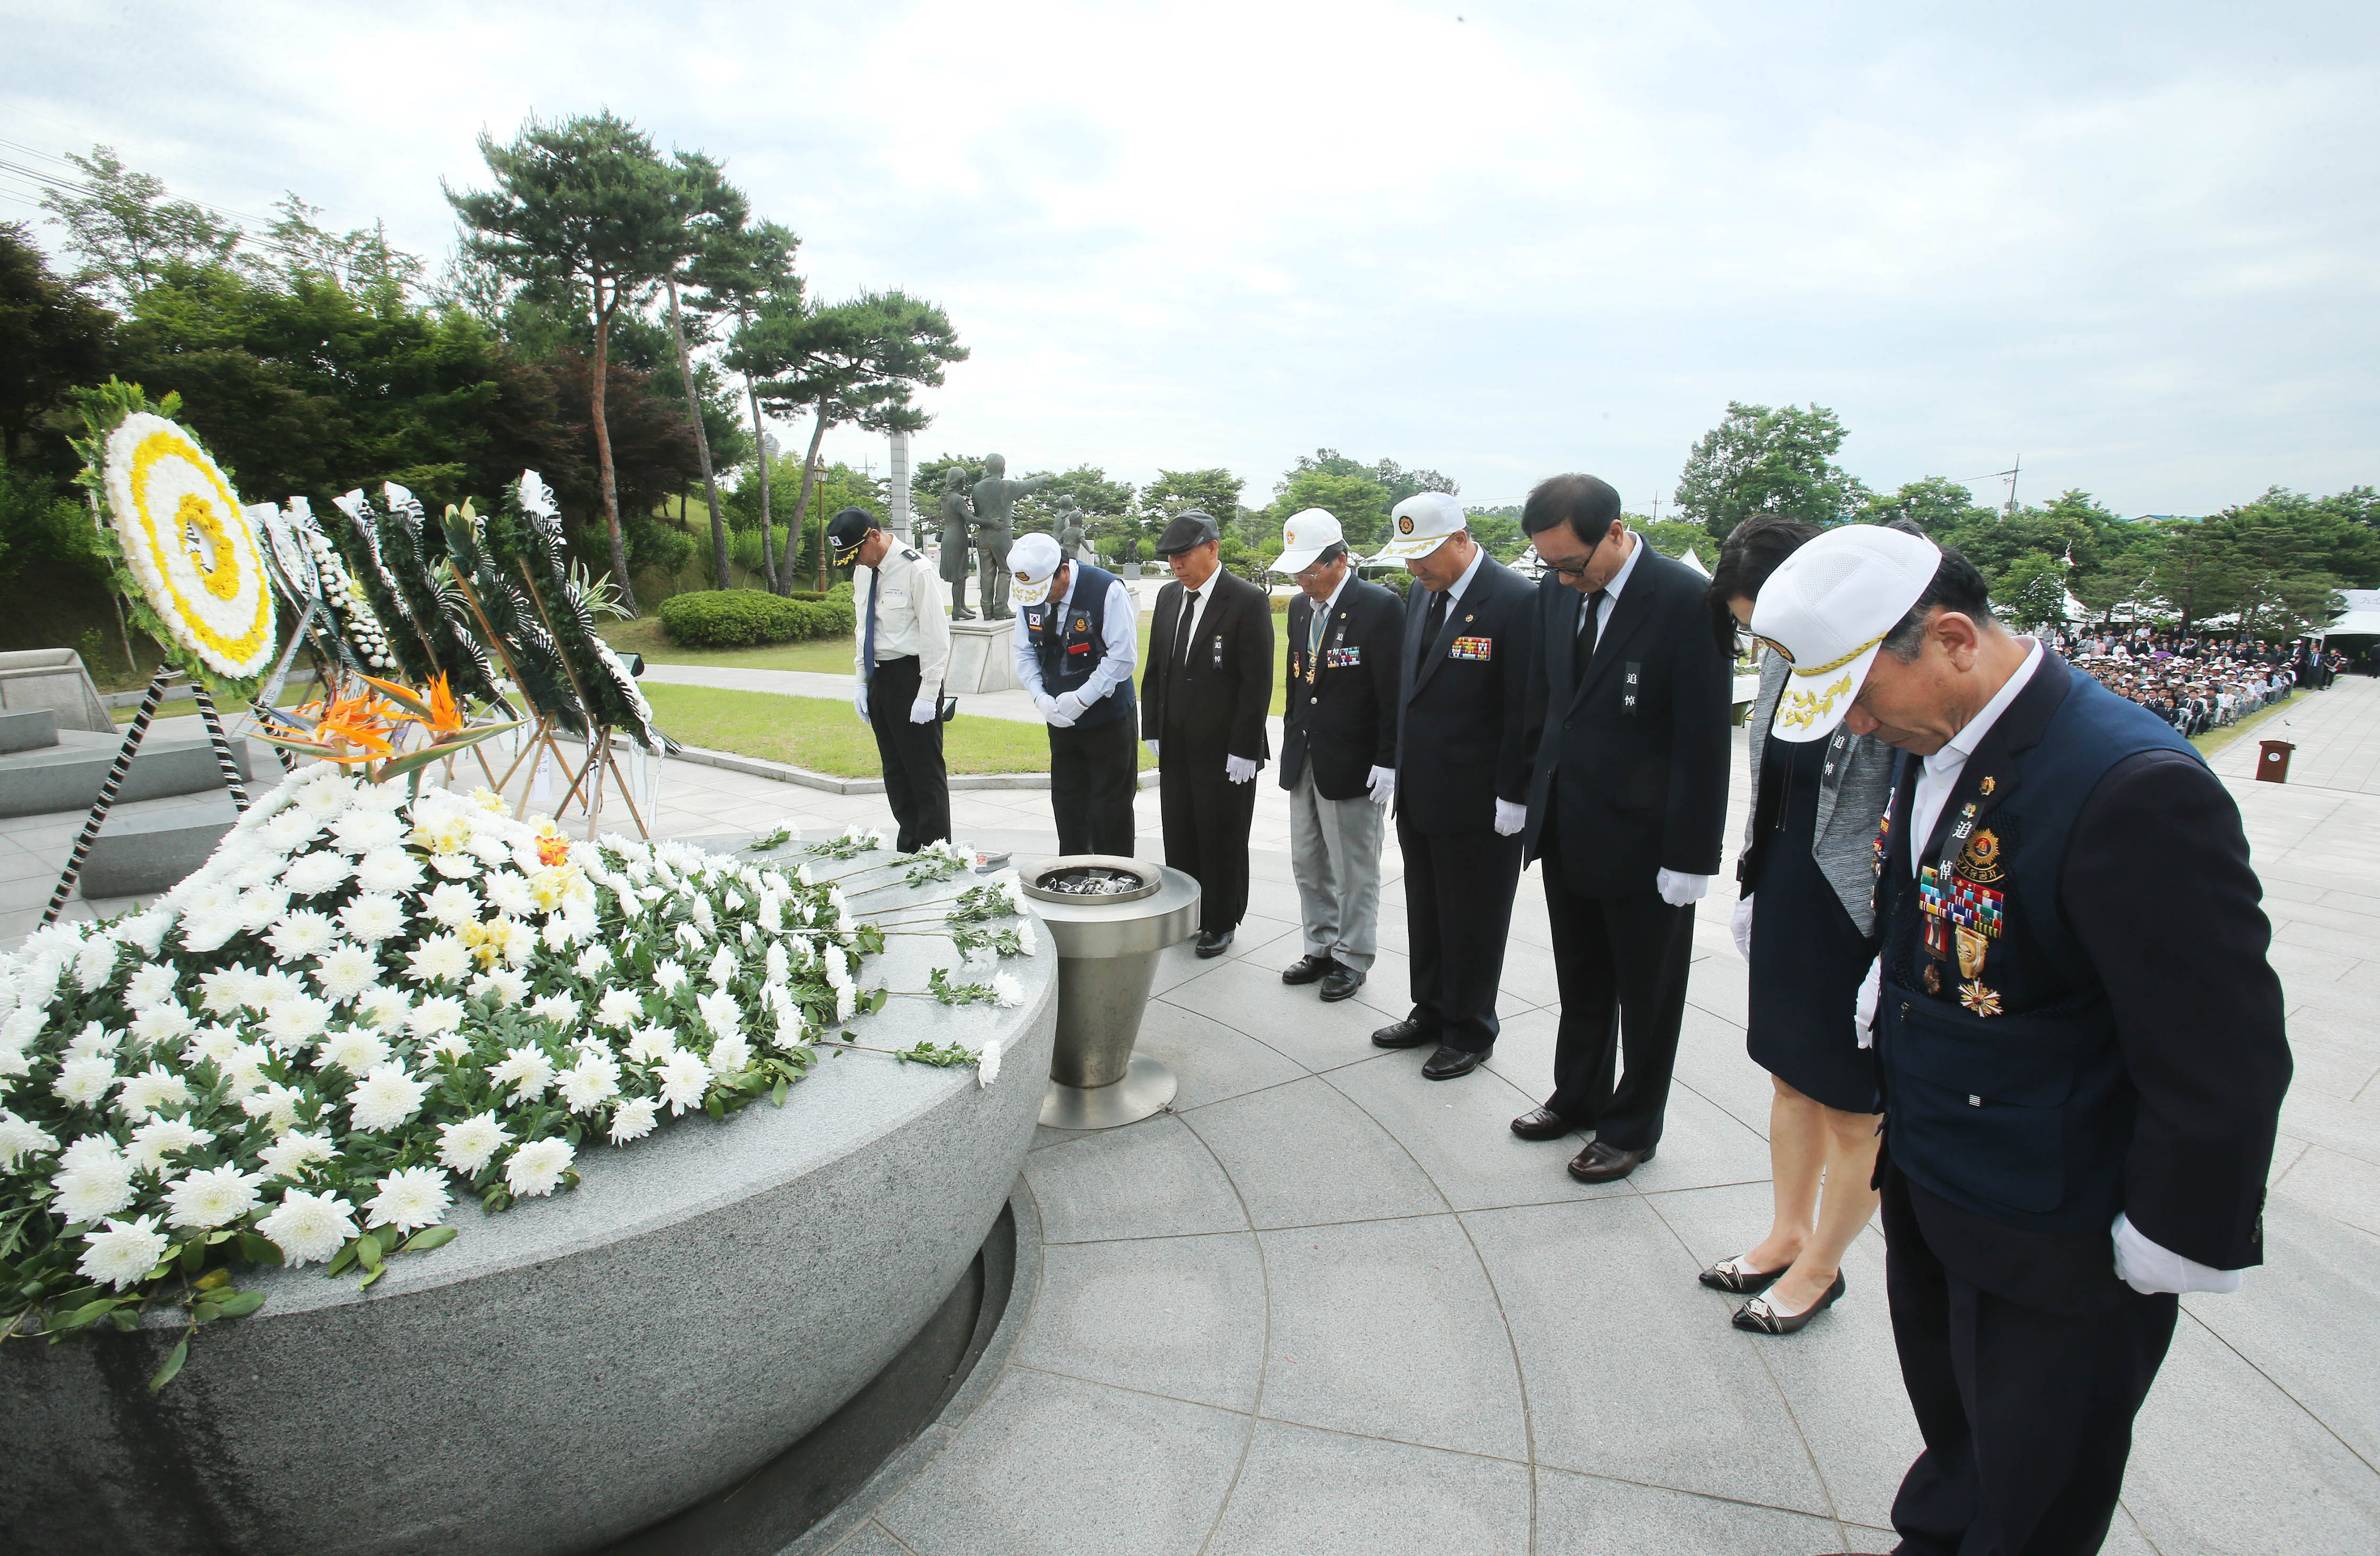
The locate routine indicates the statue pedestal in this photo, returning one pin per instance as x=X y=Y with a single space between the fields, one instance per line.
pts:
x=1128 y=571
x=983 y=658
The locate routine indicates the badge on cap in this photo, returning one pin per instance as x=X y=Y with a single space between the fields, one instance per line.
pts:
x=1404 y=524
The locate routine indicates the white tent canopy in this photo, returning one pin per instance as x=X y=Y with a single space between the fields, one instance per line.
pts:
x=2361 y=616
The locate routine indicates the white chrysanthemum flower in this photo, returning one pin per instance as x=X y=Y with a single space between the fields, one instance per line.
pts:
x=345 y=971
x=225 y=990
x=451 y=904
x=684 y=1079
x=508 y=891
x=618 y=1007
x=445 y=1045
x=590 y=1083
x=387 y=870
x=409 y=1198
x=90 y=1150
x=454 y=866
x=430 y=1017
x=504 y=986
x=373 y=916
x=771 y=915
x=318 y=872
x=1026 y=940
x=153 y=1090
x=210 y=1196
x=439 y=959
x=776 y=969
x=96 y=1039
x=95 y=964
x=326 y=795
x=168 y=1023
x=537 y=1168
x=669 y=977
x=700 y=911
x=268 y=989
x=593 y=961
x=301 y=934
x=720 y=1013
x=466 y=1146
x=124 y=1254
x=384 y=1099
x=387 y=1009
x=1006 y=990
x=838 y=967
x=294 y=1022
x=514 y=941
x=146 y=930
x=22 y=1137
x=368 y=831
x=290 y=1155
x=560 y=1009
x=93 y=1189
x=274 y=1102
x=243 y=1070
x=633 y=1119
x=356 y=1051
x=152 y=1142
x=723 y=967
x=846 y=1002
x=309 y=1227
x=731 y=1054
x=215 y=1043
x=148 y=986
x=789 y=1026
x=528 y=1070
x=987 y=1064
x=651 y=1045
x=207 y=931
x=260 y=908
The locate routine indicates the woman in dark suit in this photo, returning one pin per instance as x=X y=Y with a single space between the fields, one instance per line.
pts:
x=1808 y=862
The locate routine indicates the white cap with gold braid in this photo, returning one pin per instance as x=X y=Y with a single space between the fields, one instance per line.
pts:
x=1827 y=611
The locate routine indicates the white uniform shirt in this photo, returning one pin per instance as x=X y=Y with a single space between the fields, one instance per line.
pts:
x=905 y=593
x=1119 y=640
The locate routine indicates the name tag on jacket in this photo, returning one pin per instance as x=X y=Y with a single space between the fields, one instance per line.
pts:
x=1472 y=647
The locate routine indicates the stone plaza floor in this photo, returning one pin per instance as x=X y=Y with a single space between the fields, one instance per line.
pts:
x=1324 y=1305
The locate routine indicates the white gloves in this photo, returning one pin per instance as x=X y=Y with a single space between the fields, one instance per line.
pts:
x=1383 y=780
x=1510 y=818
x=2148 y=1269
x=1864 y=1005
x=1070 y=705
x=1053 y=709
x=859 y=703
x=1240 y=769
x=922 y=712
x=1152 y=747
x=1740 y=927
x=1678 y=889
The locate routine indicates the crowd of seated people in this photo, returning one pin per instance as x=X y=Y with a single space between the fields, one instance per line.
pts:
x=2193 y=681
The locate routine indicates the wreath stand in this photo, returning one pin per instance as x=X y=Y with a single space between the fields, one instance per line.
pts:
x=165 y=677
x=601 y=757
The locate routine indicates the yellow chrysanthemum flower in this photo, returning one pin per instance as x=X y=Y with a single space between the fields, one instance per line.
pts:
x=189 y=544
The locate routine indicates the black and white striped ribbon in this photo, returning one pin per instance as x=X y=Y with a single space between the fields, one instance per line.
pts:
x=222 y=744
x=106 y=801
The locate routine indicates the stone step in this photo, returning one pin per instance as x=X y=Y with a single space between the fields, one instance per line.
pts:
x=151 y=848
x=67 y=777
x=28 y=729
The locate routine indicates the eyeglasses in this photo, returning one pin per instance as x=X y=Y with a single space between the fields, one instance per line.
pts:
x=1572 y=569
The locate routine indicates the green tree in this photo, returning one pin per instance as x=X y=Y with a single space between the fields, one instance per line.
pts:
x=1765 y=460
x=1935 y=505
x=361 y=261
x=1400 y=483
x=1095 y=496
x=587 y=208
x=1358 y=501
x=1215 y=493
x=710 y=246
x=2197 y=573
x=51 y=338
x=2033 y=593
x=2121 y=578
x=126 y=231
x=1675 y=537
x=751 y=280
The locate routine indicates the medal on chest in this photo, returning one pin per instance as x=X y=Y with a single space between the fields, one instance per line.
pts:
x=1963 y=913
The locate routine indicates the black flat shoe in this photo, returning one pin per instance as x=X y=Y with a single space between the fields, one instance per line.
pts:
x=1341 y=983
x=1755 y=1317
x=1599 y=1164
x=1541 y=1124
x=1306 y=969
x=1407 y=1033
x=1739 y=1277
x=1450 y=1062
x=1213 y=942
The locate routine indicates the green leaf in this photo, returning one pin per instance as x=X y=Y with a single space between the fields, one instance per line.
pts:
x=377 y=1272
x=240 y=1303
x=88 y=1313
x=340 y=1260
x=181 y=1353
x=205 y=1313
x=194 y=1254
x=214 y=1278
x=428 y=1238
x=226 y=1235
x=777 y=1094
x=259 y=1250
x=368 y=1250
x=876 y=998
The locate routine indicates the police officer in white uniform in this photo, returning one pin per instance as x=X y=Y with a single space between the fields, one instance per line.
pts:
x=901 y=647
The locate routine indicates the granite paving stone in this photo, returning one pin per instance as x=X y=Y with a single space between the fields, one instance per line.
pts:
x=1303 y=1154
x=1150 y=1179
x=1178 y=1315
x=1588 y=1515
x=1250 y=997
x=1316 y=1493
x=1209 y=1060
x=1458 y=1132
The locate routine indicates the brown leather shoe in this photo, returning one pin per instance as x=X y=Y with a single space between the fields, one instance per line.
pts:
x=1599 y=1164
x=1541 y=1124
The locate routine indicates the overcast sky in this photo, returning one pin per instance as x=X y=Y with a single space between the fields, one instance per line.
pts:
x=2134 y=245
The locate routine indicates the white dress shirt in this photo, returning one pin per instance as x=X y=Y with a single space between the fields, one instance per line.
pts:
x=906 y=593
x=1185 y=629
x=1119 y=640
x=1612 y=591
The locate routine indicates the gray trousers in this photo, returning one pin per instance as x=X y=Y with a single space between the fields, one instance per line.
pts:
x=1334 y=850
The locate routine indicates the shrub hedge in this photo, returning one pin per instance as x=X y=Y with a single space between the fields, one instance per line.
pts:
x=735 y=618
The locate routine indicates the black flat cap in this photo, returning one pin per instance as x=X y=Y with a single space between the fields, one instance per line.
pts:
x=1189 y=530
x=846 y=529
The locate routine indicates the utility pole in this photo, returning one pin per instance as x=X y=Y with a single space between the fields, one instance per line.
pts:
x=2011 y=473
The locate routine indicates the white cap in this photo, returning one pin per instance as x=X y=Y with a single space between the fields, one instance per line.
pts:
x=1827 y=610
x=1308 y=534
x=1420 y=525
x=1033 y=561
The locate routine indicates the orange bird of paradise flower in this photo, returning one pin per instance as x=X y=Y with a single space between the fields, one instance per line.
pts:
x=437 y=710
x=359 y=721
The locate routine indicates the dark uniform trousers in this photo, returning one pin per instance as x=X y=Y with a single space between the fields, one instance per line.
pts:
x=1624 y=970
x=1094 y=774
x=916 y=785
x=2047 y=1400
x=1459 y=891
x=1207 y=822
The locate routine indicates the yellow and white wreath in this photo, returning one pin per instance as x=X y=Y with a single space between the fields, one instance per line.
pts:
x=189 y=545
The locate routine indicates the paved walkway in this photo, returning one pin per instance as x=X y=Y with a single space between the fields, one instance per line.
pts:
x=2337 y=733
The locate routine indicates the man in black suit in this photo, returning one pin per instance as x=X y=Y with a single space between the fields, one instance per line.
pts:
x=1629 y=708
x=1461 y=767
x=2079 y=1036
x=1338 y=749
x=1204 y=698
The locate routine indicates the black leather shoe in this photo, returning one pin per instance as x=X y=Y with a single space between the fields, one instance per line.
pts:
x=1306 y=969
x=1740 y=1278
x=1450 y=1062
x=1755 y=1317
x=1340 y=985
x=1214 y=942
x=1541 y=1124
x=1599 y=1164
x=1407 y=1033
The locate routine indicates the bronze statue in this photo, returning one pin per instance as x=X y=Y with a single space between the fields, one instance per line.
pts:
x=995 y=519
x=1070 y=525
x=957 y=518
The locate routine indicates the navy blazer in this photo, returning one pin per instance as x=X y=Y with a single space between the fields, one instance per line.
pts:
x=1462 y=705
x=1341 y=709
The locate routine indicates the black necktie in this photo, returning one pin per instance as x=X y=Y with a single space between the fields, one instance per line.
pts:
x=1434 y=619
x=1590 y=628
x=1189 y=610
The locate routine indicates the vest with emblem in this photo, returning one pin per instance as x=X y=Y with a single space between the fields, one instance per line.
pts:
x=1069 y=648
x=2005 y=1091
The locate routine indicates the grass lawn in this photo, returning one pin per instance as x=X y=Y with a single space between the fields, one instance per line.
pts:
x=187 y=707
x=821 y=734
x=2215 y=739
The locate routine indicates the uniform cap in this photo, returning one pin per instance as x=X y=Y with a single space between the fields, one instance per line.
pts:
x=1189 y=530
x=1033 y=561
x=845 y=533
x=1827 y=611
x=1420 y=525
x=1306 y=536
